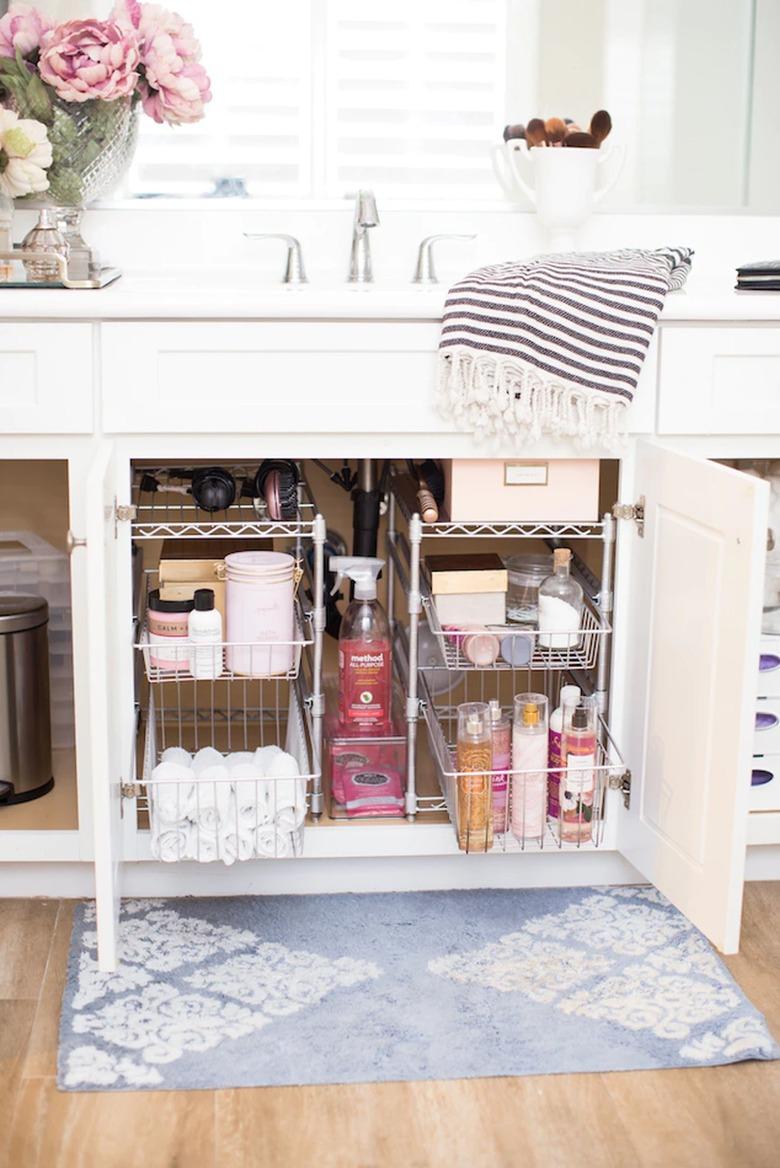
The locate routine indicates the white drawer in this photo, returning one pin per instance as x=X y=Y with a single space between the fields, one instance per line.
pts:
x=46 y=378
x=270 y=376
x=719 y=380
x=766 y=796
x=769 y=668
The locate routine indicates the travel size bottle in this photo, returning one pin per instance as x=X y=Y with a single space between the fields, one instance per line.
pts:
x=204 y=632
x=529 y=767
x=475 y=762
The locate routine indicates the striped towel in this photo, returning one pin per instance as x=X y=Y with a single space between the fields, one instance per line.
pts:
x=554 y=345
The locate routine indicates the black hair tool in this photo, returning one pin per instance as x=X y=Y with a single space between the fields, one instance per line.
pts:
x=277 y=482
x=213 y=488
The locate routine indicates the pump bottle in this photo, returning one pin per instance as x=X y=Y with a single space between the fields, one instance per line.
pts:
x=365 y=656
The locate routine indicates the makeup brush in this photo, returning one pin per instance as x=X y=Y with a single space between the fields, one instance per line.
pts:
x=517 y=131
x=600 y=125
x=556 y=129
x=580 y=138
x=535 y=133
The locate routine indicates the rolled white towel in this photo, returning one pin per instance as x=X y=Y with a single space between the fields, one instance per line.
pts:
x=205 y=758
x=236 y=845
x=213 y=797
x=240 y=758
x=170 y=844
x=273 y=844
x=251 y=796
x=178 y=755
x=204 y=844
x=288 y=794
x=172 y=787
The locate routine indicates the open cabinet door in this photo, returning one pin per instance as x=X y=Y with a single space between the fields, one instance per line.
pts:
x=691 y=643
x=108 y=560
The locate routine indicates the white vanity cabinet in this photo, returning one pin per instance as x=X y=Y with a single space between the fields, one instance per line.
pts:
x=687 y=608
x=687 y=593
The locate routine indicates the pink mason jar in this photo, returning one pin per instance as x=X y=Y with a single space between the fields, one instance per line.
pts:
x=260 y=594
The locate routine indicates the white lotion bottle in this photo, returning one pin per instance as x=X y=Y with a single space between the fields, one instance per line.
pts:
x=204 y=628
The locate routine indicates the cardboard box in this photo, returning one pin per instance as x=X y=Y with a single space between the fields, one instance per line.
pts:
x=471 y=608
x=189 y=564
x=551 y=490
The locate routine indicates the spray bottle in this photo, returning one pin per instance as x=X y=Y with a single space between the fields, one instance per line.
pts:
x=365 y=657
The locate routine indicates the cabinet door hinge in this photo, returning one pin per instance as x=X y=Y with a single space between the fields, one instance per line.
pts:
x=622 y=782
x=131 y=790
x=125 y=512
x=635 y=511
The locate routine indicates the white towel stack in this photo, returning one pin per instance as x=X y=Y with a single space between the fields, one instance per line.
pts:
x=235 y=807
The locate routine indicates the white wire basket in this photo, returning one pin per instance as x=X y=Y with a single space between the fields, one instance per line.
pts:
x=571 y=650
x=485 y=818
x=229 y=785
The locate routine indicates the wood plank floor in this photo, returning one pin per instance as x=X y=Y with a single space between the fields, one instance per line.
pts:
x=726 y=1117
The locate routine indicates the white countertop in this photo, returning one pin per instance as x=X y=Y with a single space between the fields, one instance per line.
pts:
x=238 y=294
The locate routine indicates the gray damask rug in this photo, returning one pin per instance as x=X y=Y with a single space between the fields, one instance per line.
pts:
x=267 y=991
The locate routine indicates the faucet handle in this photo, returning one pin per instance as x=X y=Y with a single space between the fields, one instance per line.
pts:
x=425 y=272
x=294 y=272
x=366 y=214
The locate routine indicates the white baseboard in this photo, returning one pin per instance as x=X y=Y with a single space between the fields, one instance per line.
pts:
x=276 y=877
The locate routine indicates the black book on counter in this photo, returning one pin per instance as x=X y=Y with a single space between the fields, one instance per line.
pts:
x=763 y=276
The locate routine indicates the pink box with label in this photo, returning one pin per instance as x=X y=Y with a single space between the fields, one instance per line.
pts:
x=505 y=489
x=367 y=773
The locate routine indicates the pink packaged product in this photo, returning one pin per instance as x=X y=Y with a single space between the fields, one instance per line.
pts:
x=367 y=774
x=517 y=489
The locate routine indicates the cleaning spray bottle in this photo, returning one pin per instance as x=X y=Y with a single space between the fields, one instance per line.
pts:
x=365 y=658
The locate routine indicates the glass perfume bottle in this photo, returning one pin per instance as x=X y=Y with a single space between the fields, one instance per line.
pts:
x=529 y=767
x=475 y=761
x=47 y=242
x=560 y=605
x=578 y=780
x=501 y=729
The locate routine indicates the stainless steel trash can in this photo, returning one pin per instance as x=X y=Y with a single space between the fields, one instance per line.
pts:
x=25 y=720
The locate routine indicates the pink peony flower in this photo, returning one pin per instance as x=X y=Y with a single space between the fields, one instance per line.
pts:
x=87 y=59
x=174 y=85
x=22 y=28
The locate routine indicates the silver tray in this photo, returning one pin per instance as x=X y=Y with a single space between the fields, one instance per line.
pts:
x=99 y=278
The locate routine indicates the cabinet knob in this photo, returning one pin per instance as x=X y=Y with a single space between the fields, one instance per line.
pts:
x=72 y=543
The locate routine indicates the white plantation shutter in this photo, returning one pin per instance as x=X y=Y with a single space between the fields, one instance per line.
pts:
x=258 y=125
x=315 y=97
x=414 y=97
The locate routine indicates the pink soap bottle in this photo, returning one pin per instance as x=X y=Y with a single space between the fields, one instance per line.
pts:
x=365 y=656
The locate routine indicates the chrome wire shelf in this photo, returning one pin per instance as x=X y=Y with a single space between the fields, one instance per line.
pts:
x=260 y=654
x=523 y=787
x=403 y=490
x=166 y=514
x=579 y=656
x=221 y=799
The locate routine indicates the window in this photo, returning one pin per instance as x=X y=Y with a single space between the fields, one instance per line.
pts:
x=320 y=96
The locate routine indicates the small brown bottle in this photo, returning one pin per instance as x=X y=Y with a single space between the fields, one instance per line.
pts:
x=475 y=761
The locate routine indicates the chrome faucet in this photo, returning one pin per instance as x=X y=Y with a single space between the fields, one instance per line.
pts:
x=360 y=257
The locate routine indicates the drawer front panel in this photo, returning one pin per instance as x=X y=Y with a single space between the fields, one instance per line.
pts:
x=765 y=796
x=719 y=380
x=270 y=377
x=46 y=378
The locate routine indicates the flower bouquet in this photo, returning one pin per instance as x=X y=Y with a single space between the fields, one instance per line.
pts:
x=82 y=82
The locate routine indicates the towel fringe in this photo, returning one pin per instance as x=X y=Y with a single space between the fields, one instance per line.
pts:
x=497 y=398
